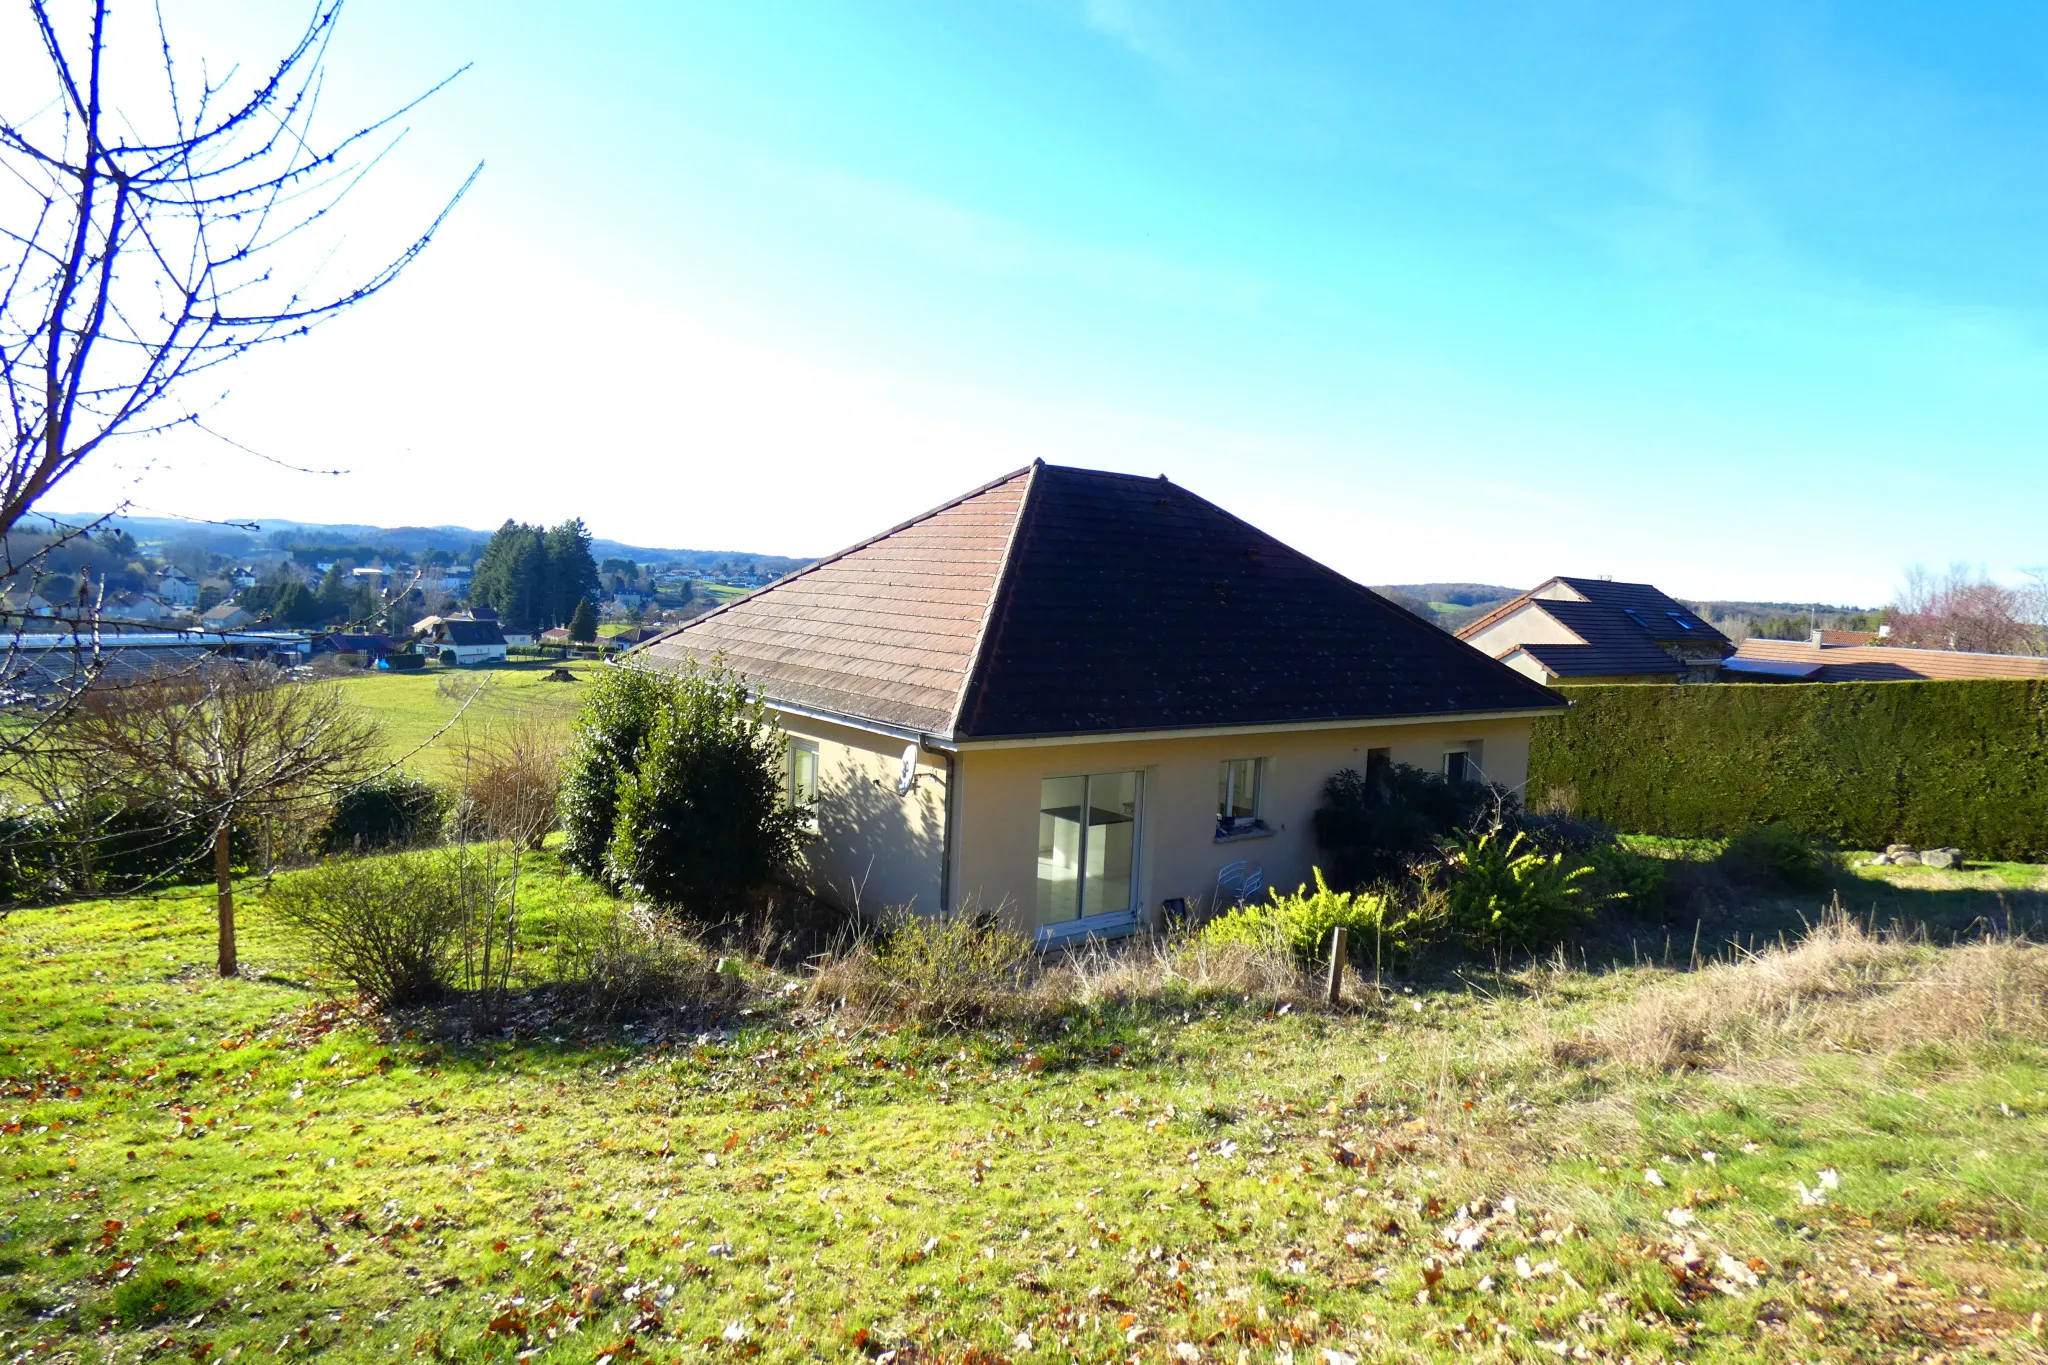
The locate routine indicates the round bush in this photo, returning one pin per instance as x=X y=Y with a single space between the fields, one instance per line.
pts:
x=390 y=812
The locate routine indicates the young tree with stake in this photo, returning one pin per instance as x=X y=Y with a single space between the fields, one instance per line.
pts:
x=228 y=743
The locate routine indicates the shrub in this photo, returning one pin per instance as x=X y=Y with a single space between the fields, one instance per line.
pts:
x=1370 y=827
x=701 y=819
x=1854 y=765
x=626 y=961
x=388 y=926
x=618 y=713
x=1506 y=894
x=946 y=970
x=1619 y=873
x=102 y=845
x=1776 y=856
x=511 y=783
x=392 y=811
x=449 y=658
x=1300 y=924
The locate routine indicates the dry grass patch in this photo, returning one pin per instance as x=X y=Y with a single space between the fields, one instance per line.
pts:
x=1841 y=986
x=954 y=971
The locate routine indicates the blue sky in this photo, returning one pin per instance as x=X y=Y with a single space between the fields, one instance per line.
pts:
x=1744 y=299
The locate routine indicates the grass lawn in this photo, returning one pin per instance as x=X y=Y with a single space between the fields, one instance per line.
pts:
x=1479 y=1166
x=413 y=707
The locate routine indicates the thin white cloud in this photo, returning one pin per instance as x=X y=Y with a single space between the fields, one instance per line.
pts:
x=1140 y=28
x=955 y=235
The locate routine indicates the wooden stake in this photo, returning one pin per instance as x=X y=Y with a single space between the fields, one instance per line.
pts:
x=1337 y=937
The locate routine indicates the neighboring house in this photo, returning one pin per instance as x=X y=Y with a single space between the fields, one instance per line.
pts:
x=1594 y=630
x=19 y=604
x=1809 y=661
x=472 y=642
x=1071 y=697
x=555 y=635
x=633 y=635
x=138 y=608
x=346 y=642
x=226 y=616
x=176 y=589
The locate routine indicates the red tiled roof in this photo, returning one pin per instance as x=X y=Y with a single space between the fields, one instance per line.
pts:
x=1069 y=601
x=1884 y=663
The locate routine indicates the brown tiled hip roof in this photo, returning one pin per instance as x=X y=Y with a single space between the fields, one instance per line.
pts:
x=1068 y=601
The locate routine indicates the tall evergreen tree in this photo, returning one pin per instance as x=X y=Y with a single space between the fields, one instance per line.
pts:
x=527 y=606
x=571 y=570
x=511 y=576
x=583 y=623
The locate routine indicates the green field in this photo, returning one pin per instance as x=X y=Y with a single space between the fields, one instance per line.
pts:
x=1846 y=1158
x=431 y=715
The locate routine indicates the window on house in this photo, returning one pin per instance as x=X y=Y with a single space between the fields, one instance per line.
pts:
x=1379 y=767
x=1462 y=763
x=1237 y=795
x=1087 y=845
x=1630 y=613
x=801 y=774
x=1683 y=624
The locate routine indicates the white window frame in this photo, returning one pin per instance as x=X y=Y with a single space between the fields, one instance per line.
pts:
x=792 y=746
x=1114 y=923
x=1228 y=775
x=1471 y=750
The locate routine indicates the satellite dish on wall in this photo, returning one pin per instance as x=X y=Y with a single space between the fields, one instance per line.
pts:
x=906 y=776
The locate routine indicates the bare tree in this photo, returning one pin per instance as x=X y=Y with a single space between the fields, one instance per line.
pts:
x=222 y=746
x=156 y=230
x=1961 y=609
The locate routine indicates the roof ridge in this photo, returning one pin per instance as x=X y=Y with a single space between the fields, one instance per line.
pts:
x=1521 y=600
x=977 y=657
x=838 y=555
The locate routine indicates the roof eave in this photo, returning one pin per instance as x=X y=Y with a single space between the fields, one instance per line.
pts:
x=974 y=742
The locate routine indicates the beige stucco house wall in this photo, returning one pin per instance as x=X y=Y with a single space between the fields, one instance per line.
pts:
x=1178 y=851
x=878 y=849
x=873 y=849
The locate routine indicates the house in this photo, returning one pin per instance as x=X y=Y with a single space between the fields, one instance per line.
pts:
x=556 y=635
x=225 y=616
x=17 y=603
x=1759 y=660
x=633 y=635
x=376 y=645
x=512 y=636
x=176 y=589
x=138 y=608
x=1072 y=697
x=1594 y=630
x=471 y=642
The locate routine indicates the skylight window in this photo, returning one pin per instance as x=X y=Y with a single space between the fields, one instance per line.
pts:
x=1630 y=613
x=1683 y=624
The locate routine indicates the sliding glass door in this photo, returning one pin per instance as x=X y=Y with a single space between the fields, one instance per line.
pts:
x=1087 y=846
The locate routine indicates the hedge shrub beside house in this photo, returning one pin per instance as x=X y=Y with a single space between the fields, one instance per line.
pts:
x=1858 y=765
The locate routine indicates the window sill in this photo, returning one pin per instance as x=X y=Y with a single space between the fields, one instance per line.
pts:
x=1238 y=836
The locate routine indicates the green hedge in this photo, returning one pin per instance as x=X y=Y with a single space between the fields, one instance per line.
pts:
x=1859 y=765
